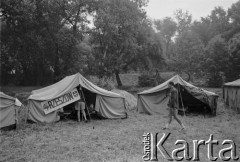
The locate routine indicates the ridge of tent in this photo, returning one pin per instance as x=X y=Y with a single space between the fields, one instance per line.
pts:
x=233 y=83
x=175 y=79
x=69 y=82
x=164 y=85
x=16 y=101
x=3 y=95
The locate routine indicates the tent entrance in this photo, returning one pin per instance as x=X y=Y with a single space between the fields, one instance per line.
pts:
x=9 y=127
x=190 y=103
x=89 y=97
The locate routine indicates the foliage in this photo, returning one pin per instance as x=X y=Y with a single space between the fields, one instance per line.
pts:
x=203 y=30
x=214 y=24
x=234 y=13
x=234 y=19
x=233 y=72
x=219 y=21
x=203 y=47
x=120 y=35
x=40 y=39
x=151 y=55
x=216 y=61
x=189 y=53
x=184 y=20
x=146 y=80
x=167 y=29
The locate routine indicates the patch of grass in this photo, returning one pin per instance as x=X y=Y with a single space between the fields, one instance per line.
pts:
x=111 y=140
x=130 y=79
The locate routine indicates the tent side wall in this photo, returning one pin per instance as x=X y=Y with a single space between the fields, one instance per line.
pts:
x=36 y=113
x=232 y=97
x=153 y=103
x=110 y=107
x=8 y=114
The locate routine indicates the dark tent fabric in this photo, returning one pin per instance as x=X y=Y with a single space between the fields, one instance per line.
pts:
x=108 y=104
x=154 y=100
x=8 y=110
x=231 y=94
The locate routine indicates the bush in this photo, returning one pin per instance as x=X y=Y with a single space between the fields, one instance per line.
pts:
x=215 y=81
x=146 y=80
x=105 y=83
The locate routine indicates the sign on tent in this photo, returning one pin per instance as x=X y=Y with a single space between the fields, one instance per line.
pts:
x=59 y=102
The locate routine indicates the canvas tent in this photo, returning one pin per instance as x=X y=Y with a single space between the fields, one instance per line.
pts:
x=8 y=110
x=154 y=100
x=231 y=94
x=107 y=104
x=130 y=100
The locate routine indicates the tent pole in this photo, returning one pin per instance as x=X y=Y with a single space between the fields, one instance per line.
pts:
x=16 y=116
x=85 y=103
x=27 y=112
x=181 y=100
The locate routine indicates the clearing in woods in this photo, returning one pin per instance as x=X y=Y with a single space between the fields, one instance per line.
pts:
x=111 y=140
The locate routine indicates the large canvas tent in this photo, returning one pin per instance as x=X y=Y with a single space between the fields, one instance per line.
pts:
x=231 y=94
x=8 y=110
x=154 y=100
x=107 y=104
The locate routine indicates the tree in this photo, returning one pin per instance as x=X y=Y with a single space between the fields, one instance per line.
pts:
x=219 y=21
x=167 y=28
x=233 y=38
x=189 y=53
x=150 y=57
x=215 y=24
x=216 y=61
x=203 y=29
x=117 y=24
x=233 y=72
x=184 y=20
x=234 y=19
x=40 y=39
x=234 y=13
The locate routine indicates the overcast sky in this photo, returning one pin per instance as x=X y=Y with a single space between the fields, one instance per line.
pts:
x=158 y=9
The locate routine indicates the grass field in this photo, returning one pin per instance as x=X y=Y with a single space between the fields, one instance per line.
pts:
x=110 y=140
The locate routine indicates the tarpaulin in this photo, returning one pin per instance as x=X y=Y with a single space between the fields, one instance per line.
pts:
x=108 y=104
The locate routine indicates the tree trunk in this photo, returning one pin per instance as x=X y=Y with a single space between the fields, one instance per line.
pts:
x=189 y=77
x=167 y=45
x=56 y=64
x=119 y=82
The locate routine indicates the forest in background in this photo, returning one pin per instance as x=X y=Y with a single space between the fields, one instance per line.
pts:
x=43 y=41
